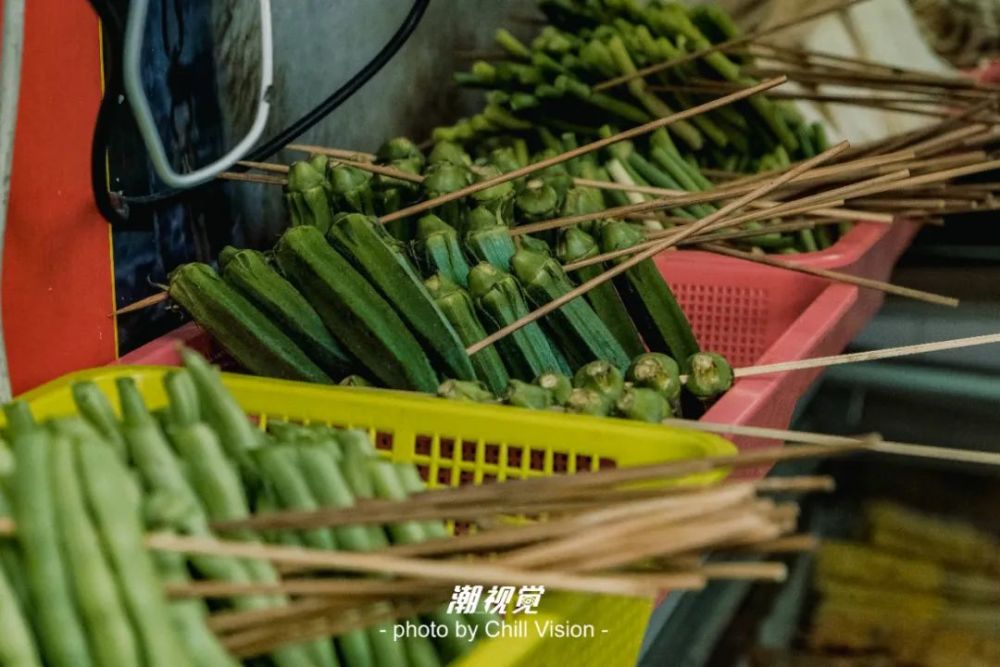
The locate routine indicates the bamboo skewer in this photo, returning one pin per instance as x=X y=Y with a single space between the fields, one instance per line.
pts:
x=579 y=482
x=660 y=246
x=723 y=46
x=582 y=150
x=873 y=445
x=837 y=276
x=376 y=563
x=870 y=355
x=353 y=156
x=253 y=178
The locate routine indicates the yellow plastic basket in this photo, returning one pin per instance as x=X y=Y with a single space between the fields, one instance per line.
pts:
x=464 y=443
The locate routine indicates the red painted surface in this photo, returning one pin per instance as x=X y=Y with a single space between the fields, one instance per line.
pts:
x=58 y=293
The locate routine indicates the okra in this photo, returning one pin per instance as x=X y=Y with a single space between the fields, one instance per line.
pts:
x=449 y=152
x=222 y=412
x=106 y=484
x=183 y=405
x=96 y=591
x=351 y=189
x=588 y=402
x=657 y=372
x=710 y=375
x=662 y=322
x=527 y=353
x=95 y=408
x=400 y=148
x=441 y=178
x=412 y=483
x=456 y=304
x=388 y=486
x=374 y=253
x=641 y=404
x=537 y=200
x=498 y=199
x=278 y=467
x=580 y=334
x=62 y=640
x=603 y=377
x=354 y=312
x=575 y=245
x=437 y=250
x=327 y=484
x=464 y=390
x=557 y=384
x=17 y=644
x=524 y=395
x=307 y=196
x=488 y=240
x=246 y=333
x=253 y=276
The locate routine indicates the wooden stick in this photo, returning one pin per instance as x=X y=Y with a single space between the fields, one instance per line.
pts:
x=787 y=544
x=660 y=246
x=900 y=141
x=253 y=178
x=785 y=210
x=354 y=156
x=873 y=445
x=142 y=304
x=582 y=150
x=869 y=355
x=763 y=203
x=273 y=167
x=722 y=46
x=837 y=276
x=314 y=587
x=266 y=638
x=766 y=571
x=365 y=165
x=381 y=564
x=588 y=481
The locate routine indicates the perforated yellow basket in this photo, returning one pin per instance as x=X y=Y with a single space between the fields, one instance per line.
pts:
x=464 y=443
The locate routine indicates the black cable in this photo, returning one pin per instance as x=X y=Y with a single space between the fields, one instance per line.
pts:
x=115 y=207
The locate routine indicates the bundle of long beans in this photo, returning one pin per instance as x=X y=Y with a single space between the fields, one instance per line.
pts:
x=116 y=530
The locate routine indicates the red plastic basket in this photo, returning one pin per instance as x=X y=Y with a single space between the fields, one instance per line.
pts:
x=751 y=313
x=740 y=308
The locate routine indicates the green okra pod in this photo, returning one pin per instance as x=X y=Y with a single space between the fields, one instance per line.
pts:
x=524 y=395
x=558 y=385
x=307 y=196
x=580 y=334
x=438 y=251
x=62 y=639
x=527 y=353
x=658 y=372
x=375 y=254
x=710 y=375
x=119 y=525
x=643 y=405
x=96 y=409
x=96 y=590
x=601 y=376
x=488 y=240
x=457 y=306
x=252 y=274
x=246 y=333
x=464 y=390
x=588 y=402
x=575 y=245
x=662 y=322
x=351 y=189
